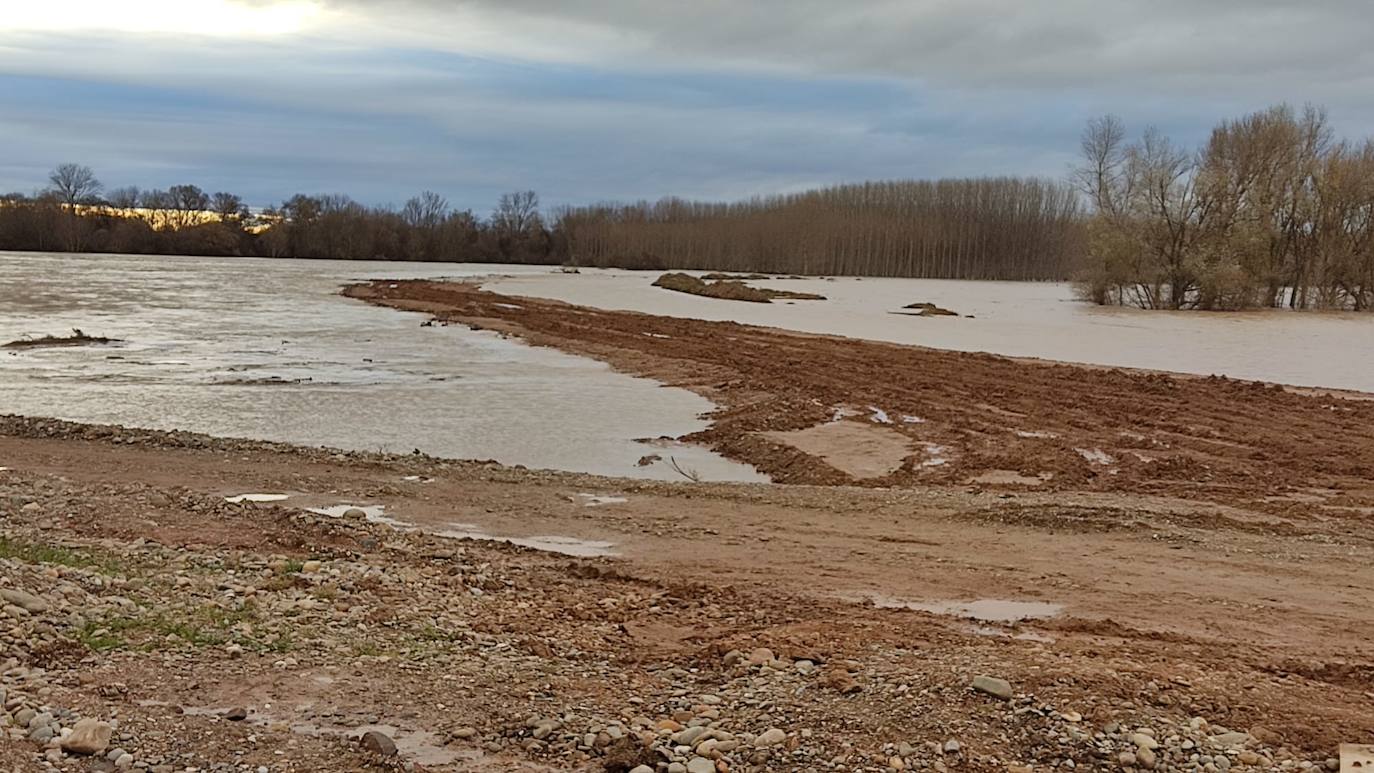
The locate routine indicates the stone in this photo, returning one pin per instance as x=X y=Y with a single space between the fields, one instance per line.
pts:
x=89 y=736
x=991 y=685
x=642 y=769
x=22 y=717
x=1248 y=757
x=1143 y=741
x=761 y=656
x=379 y=744
x=311 y=567
x=700 y=765
x=236 y=714
x=952 y=746
x=1127 y=759
x=354 y=514
x=771 y=737
x=689 y=736
x=1230 y=740
x=25 y=601
x=1146 y=757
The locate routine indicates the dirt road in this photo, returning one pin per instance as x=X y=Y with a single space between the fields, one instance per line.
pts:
x=1160 y=611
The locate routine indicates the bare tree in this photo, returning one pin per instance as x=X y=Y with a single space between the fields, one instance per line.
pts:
x=124 y=198
x=516 y=213
x=228 y=206
x=427 y=210
x=74 y=184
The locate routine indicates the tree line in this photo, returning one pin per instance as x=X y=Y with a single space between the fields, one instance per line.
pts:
x=76 y=214
x=989 y=228
x=1273 y=210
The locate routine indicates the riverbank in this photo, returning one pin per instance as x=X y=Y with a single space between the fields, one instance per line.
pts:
x=812 y=409
x=263 y=635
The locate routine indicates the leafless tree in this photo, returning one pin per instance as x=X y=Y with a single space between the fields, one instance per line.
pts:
x=74 y=184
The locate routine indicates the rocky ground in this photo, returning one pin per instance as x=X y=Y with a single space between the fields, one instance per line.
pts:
x=149 y=624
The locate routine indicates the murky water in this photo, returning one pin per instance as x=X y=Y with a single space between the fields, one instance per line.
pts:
x=267 y=349
x=1019 y=319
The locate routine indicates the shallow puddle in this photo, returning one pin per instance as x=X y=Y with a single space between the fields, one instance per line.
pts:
x=984 y=610
x=593 y=500
x=240 y=498
x=568 y=546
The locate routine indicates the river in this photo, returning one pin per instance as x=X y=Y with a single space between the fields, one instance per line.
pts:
x=259 y=348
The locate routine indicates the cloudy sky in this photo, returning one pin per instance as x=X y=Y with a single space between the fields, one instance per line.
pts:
x=629 y=99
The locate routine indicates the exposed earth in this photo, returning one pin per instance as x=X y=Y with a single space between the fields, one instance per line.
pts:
x=1043 y=598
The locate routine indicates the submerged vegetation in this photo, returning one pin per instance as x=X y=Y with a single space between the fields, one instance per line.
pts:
x=1272 y=211
x=728 y=289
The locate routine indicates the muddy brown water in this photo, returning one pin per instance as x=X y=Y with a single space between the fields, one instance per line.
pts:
x=1017 y=319
x=266 y=349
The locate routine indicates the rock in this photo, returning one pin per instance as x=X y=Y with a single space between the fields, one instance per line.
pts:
x=311 y=567
x=1230 y=740
x=1127 y=759
x=22 y=717
x=1248 y=757
x=700 y=765
x=89 y=736
x=236 y=714
x=771 y=737
x=1146 y=757
x=1071 y=716
x=761 y=656
x=997 y=688
x=642 y=769
x=354 y=514
x=25 y=601
x=379 y=744
x=952 y=746
x=1143 y=741
x=689 y=736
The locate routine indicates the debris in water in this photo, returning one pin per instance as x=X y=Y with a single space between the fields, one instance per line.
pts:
x=77 y=338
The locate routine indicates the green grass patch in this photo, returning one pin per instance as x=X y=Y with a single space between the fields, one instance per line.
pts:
x=34 y=553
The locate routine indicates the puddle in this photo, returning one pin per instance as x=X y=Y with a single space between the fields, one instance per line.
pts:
x=568 y=546
x=375 y=514
x=1002 y=633
x=913 y=420
x=1035 y=434
x=593 y=500
x=417 y=479
x=984 y=610
x=240 y=498
x=879 y=416
x=1095 y=455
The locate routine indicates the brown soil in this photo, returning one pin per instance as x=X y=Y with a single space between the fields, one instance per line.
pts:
x=728 y=289
x=1171 y=610
x=1077 y=428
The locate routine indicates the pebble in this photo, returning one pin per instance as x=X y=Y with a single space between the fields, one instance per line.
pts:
x=700 y=765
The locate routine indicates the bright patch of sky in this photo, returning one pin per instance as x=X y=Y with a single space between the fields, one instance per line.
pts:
x=617 y=99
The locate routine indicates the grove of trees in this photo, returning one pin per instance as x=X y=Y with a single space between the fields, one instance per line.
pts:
x=1273 y=210
x=990 y=228
x=72 y=216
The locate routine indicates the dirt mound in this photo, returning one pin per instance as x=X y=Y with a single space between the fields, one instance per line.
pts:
x=727 y=289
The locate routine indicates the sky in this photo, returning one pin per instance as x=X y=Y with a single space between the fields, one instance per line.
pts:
x=621 y=100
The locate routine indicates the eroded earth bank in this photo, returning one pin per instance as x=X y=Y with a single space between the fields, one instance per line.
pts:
x=1040 y=567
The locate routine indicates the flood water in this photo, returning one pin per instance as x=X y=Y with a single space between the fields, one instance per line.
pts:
x=267 y=349
x=1018 y=319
